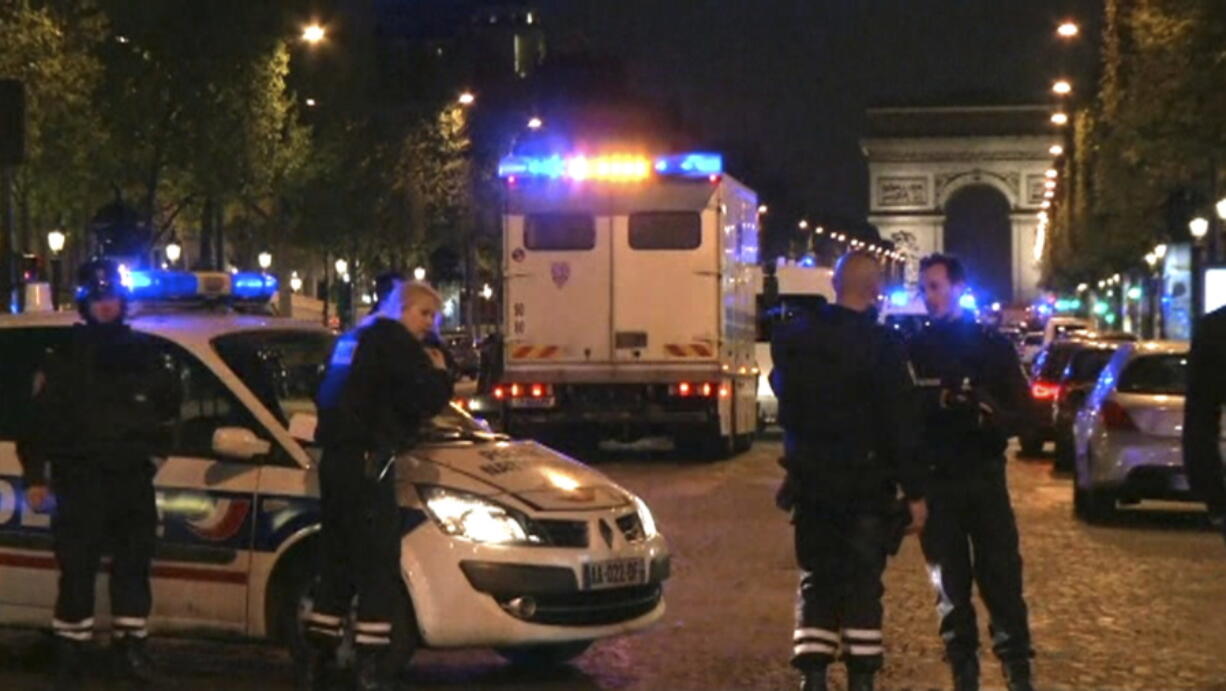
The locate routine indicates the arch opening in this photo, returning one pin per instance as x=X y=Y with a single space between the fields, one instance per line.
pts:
x=979 y=231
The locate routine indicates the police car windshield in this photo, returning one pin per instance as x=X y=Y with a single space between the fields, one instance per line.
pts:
x=282 y=367
x=453 y=424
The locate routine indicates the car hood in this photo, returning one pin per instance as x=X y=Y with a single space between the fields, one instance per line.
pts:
x=534 y=474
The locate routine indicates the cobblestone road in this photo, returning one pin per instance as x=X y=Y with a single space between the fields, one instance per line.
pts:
x=1138 y=604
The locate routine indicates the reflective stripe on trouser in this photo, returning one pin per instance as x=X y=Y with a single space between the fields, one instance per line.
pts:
x=360 y=543
x=971 y=537
x=842 y=556
x=322 y=628
x=130 y=626
x=74 y=630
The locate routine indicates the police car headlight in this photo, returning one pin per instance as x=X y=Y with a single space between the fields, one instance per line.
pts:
x=470 y=517
x=645 y=517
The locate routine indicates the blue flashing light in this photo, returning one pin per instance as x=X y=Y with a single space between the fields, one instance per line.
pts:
x=808 y=261
x=695 y=165
x=622 y=168
x=968 y=302
x=162 y=285
x=1100 y=308
x=900 y=298
x=1110 y=318
x=253 y=286
x=1044 y=309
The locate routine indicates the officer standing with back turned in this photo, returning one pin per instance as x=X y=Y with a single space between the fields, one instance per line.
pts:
x=974 y=398
x=100 y=407
x=847 y=406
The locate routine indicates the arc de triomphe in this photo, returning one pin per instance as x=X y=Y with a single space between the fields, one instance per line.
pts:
x=919 y=159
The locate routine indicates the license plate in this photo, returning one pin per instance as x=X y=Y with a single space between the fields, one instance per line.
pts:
x=546 y=402
x=615 y=573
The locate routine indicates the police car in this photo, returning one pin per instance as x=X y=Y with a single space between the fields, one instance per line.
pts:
x=506 y=544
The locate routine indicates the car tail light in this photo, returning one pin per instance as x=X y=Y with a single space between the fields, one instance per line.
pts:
x=707 y=389
x=1116 y=417
x=1044 y=391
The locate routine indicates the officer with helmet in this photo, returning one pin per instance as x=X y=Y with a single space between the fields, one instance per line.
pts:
x=101 y=404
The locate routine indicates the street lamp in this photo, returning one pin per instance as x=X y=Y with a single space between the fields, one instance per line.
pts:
x=1068 y=30
x=313 y=34
x=1199 y=227
x=1060 y=119
x=762 y=209
x=419 y=274
x=1062 y=87
x=819 y=230
x=265 y=260
x=295 y=282
x=1056 y=150
x=1051 y=173
x=1151 y=259
x=467 y=98
x=803 y=225
x=535 y=123
x=1160 y=250
x=173 y=252
x=342 y=267
x=55 y=243
x=487 y=291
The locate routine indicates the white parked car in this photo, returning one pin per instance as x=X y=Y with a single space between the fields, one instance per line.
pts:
x=506 y=544
x=1127 y=435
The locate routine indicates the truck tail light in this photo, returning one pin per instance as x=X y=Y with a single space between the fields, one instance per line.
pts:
x=706 y=389
x=1044 y=391
x=516 y=390
x=1116 y=417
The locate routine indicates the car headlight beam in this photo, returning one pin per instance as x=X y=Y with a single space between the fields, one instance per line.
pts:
x=470 y=517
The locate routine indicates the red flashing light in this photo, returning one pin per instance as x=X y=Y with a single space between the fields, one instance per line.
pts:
x=1044 y=391
x=1116 y=417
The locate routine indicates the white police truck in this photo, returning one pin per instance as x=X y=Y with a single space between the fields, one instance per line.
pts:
x=507 y=544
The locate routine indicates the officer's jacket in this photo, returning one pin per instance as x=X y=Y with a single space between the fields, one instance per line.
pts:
x=952 y=353
x=379 y=388
x=847 y=406
x=1203 y=409
x=104 y=400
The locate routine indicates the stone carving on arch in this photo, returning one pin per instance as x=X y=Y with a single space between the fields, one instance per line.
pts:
x=948 y=184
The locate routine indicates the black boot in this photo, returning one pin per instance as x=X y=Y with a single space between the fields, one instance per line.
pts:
x=814 y=679
x=966 y=673
x=860 y=681
x=372 y=672
x=132 y=660
x=311 y=669
x=1017 y=675
x=69 y=661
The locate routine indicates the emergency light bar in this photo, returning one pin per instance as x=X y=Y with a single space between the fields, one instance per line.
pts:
x=168 y=286
x=610 y=168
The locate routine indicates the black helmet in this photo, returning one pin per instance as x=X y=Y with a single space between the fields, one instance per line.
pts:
x=98 y=279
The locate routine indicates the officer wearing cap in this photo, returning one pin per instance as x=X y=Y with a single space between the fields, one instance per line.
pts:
x=101 y=407
x=382 y=382
x=847 y=406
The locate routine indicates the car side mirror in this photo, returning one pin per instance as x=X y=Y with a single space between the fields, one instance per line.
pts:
x=302 y=427
x=239 y=442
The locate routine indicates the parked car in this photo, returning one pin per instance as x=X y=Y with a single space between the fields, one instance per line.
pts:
x=1127 y=435
x=1064 y=327
x=1076 y=382
x=1045 y=377
x=1031 y=345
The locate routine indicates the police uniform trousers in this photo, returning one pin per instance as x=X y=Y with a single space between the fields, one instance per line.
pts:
x=842 y=555
x=103 y=506
x=360 y=551
x=971 y=535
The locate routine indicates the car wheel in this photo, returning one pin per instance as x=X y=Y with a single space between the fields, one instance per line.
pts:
x=1092 y=505
x=544 y=655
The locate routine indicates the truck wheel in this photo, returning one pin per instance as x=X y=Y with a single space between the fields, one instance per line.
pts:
x=544 y=655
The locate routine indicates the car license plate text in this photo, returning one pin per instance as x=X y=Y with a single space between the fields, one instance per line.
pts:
x=614 y=573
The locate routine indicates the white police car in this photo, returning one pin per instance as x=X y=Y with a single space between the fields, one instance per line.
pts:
x=507 y=544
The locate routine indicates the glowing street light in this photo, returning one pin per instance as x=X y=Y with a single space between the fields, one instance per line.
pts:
x=1221 y=209
x=1160 y=250
x=1046 y=204
x=487 y=291
x=1082 y=287
x=535 y=123
x=1151 y=259
x=342 y=267
x=1051 y=173
x=313 y=34
x=1056 y=150
x=1199 y=227
x=173 y=251
x=419 y=274
x=295 y=282
x=1049 y=194
x=1049 y=184
x=56 y=240
x=819 y=230
x=310 y=102
x=1068 y=30
x=1062 y=87
x=762 y=209
x=265 y=260
x=1060 y=119
x=467 y=98
x=803 y=225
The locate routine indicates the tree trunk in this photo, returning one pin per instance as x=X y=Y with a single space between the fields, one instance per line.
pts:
x=204 y=259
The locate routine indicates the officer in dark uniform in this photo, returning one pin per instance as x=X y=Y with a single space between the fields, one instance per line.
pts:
x=100 y=407
x=381 y=385
x=1202 y=457
x=974 y=398
x=847 y=406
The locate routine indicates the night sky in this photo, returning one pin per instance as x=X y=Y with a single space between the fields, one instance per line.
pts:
x=786 y=82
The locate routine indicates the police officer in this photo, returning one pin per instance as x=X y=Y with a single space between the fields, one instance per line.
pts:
x=846 y=403
x=974 y=398
x=381 y=384
x=1202 y=412
x=99 y=411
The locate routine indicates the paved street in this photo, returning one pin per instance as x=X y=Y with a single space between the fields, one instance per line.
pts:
x=1137 y=604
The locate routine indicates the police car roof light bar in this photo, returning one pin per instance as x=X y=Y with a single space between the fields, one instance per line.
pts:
x=611 y=168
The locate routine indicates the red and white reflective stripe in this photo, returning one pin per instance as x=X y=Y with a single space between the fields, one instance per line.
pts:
x=365 y=639
x=533 y=352
x=689 y=350
x=77 y=631
x=810 y=648
x=865 y=650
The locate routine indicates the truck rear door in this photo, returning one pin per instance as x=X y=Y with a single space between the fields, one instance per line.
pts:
x=558 y=297
x=666 y=286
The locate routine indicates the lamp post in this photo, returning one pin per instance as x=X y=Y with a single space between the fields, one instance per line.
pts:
x=344 y=292
x=419 y=274
x=265 y=260
x=1198 y=227
x=55 y=243
x=173 y=251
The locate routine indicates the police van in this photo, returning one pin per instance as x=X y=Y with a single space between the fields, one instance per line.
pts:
x=506 y=544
